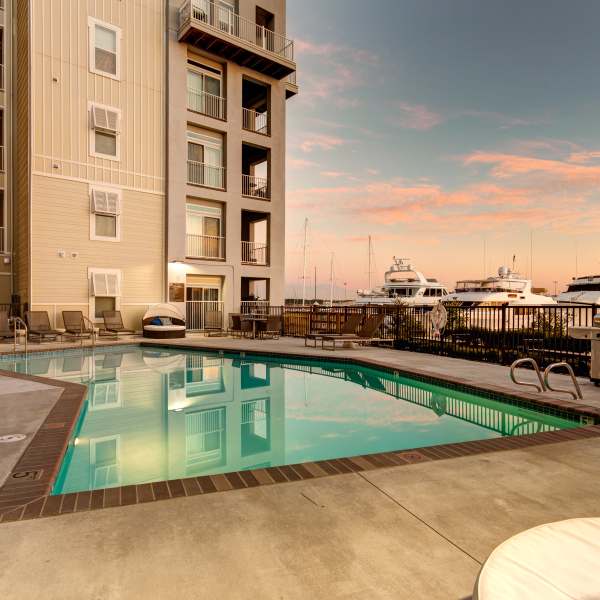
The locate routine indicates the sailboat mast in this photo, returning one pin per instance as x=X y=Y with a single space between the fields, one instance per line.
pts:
x=370 y=252
x=331 y=281
x=304 y=265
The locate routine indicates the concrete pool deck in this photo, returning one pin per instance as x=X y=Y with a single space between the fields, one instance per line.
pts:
x=414 y=532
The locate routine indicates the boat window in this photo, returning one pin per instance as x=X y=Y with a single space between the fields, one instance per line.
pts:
x=583 y=287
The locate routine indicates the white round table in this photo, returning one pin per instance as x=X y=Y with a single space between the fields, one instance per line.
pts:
x=555 y=561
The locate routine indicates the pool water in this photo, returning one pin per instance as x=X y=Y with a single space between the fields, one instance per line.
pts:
x=155 y=414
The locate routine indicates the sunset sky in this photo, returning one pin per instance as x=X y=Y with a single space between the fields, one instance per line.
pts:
x=438 y=127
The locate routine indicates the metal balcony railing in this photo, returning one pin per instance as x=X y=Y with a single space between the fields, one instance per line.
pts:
x=206 y=175
x=210 y=14
x=254 y=253
x=255 y=187
x=204 y=314
x=291 y=78
x=255 y=121
x=204 y=246
x=253 y=307
x=206 y=104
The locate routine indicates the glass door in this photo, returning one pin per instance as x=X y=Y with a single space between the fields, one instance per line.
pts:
x=226 y=17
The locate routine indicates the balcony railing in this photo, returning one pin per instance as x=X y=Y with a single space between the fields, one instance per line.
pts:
x=206 y=104
x=206 y=175
x=254 y=253
x=291 y=78
x=3 y=240
x=211 y=14
x=1 y=158
x=204 y=246
x=255 y=121
x=255 y=307
x=203 y=315
x=2 y=78
x=255 y=187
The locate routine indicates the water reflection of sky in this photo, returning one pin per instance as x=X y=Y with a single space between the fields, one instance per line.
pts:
x=153 y=415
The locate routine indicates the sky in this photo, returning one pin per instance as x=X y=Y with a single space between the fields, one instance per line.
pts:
x=456 y=133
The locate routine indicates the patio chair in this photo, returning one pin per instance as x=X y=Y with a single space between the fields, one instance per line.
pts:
x=5 y=331
x=366 y=334
x=348 y=329
x=271 y=328
x=113 y=324
x=239 y=327
x=38 y=326
x=75 y=325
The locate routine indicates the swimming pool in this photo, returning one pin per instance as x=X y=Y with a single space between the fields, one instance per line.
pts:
x=154 y=414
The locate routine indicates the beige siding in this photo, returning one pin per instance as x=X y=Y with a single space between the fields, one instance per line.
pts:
x=63 y=86
x=61 y=222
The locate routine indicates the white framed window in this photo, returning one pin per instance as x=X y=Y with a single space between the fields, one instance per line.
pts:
x=105 y=291
x=105 y=461
x=105 y=214
x=105 y=122
x=105 y=395
x=105 y=48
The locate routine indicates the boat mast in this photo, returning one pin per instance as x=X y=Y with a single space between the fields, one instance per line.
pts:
x=370 y=252
x=331 y=281
x=304 y=266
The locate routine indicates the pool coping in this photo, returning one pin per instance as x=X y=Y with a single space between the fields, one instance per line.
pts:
x=26 y=492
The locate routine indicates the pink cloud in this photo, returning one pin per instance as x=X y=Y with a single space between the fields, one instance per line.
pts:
x=417 y=116
x=299 y=163
x=321 y=142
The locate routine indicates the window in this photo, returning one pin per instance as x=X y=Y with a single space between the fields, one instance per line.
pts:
x=105 y=47
x=104 y=132
x=203 y=229
x=104 y=462
x=105 y=291
x=205 y=159
x=105 y=394
x=204 y=90
x=105 y=214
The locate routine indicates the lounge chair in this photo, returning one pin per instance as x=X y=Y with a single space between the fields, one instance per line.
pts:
x=163 y=321
x=75 y=324
x=5 y=331
x=38 y=326
x=366 y=334
x=271 y=328
x=113 y=324
x=348 y=329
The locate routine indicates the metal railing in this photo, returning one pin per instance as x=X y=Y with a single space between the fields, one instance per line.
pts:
x=291 y=78
x=203 y=315
x=255 y=187
x=210 y=14
x=1 y=158
x=206 y=104
x=3 y=240
x=2 y=77
x=19 y=327
x=255 y=307
x=206 y=175
x=204 y=246
x=254 y=253
x=255 y=121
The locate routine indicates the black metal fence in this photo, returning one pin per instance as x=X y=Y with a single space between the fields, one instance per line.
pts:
x=498 y=334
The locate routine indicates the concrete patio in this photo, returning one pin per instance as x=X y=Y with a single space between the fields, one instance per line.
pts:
x=418 y=531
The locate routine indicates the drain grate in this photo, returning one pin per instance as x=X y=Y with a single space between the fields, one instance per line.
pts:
x=11 y=437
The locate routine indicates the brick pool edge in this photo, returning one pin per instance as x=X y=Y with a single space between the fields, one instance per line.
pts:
x=26 y=491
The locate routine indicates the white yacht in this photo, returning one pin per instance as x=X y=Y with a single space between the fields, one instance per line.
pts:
x=582 y=290
x=508 y=287
x=403 y=284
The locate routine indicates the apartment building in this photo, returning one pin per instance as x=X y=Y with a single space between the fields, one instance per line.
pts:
x=229 y=68
x=145 y=156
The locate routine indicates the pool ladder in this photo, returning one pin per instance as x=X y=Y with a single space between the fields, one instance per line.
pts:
x=544 y=380
x=19 y=326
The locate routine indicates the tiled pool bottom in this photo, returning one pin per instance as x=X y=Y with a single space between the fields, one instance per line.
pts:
x=156 y=415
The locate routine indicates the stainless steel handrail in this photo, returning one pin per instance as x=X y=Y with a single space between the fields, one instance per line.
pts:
x=17 y=321
x=577 y=394
x=522 y=361
x=87 y=321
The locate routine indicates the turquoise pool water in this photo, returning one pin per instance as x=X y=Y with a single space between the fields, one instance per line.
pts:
x=154 y=414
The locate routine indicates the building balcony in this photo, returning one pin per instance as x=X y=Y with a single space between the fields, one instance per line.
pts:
x=258 y=122
x=255 y=253
x=255 y=187
x=205 y=246
x=210 y=26
x=206 y=104
x=206 y=175
x=291 y=85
